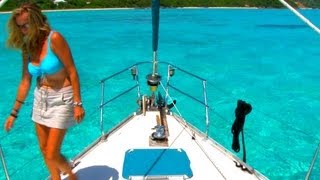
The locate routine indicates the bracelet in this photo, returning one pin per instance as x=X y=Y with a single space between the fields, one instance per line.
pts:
x=22 y=102
x=77 y=104
x=13 y=115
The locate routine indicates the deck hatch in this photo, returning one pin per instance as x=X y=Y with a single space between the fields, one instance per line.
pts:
x=156 y=162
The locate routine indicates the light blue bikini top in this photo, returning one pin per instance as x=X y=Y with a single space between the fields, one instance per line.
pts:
x=50 y=64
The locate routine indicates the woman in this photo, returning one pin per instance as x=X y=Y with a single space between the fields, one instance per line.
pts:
x=57 y=101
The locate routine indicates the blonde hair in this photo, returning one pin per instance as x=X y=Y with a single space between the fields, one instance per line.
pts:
x=39 y=29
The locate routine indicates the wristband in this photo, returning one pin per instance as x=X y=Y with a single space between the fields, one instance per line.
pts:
x=21 y=102
x=77 y=104
x=13 y=115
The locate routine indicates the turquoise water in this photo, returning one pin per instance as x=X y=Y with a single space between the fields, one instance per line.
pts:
x=268 y=58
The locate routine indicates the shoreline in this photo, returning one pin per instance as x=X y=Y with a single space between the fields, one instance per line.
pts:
x=102 y=9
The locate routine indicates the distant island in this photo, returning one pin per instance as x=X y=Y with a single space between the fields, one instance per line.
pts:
x=80 y=4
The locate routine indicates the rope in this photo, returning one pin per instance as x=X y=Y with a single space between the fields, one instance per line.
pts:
x=241 y=111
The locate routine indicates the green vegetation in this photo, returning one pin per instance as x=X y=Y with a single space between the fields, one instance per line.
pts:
x=72 y=4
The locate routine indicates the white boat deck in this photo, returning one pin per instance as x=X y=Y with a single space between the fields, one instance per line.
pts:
x=207 y=159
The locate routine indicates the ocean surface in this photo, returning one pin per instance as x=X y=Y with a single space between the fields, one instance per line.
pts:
x=266 y=57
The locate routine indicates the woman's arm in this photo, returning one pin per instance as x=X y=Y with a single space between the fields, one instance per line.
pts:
x=22 y=93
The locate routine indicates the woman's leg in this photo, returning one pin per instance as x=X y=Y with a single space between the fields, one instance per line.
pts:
x=54 y=142
x=43 y=134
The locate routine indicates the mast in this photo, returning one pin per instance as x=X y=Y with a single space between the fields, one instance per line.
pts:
x=153 y=79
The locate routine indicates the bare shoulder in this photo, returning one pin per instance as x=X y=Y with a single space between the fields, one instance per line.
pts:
x=56 y=36
x=57 y=40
